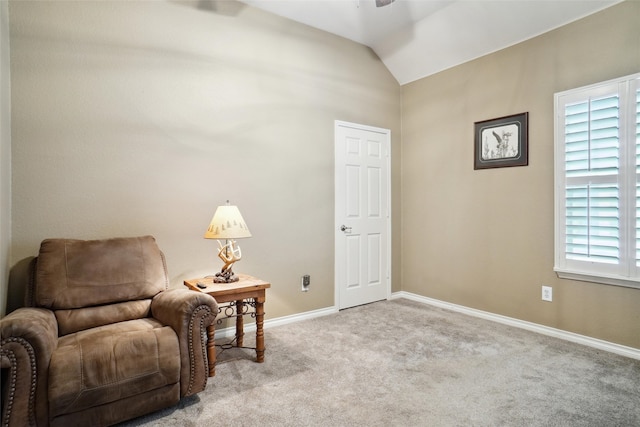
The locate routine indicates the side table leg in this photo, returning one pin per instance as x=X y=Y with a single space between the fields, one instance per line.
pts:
x=259 y=331
x=211 y=350
x=239 y=323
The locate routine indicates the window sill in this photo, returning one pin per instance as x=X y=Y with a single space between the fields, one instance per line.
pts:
x=605 y=280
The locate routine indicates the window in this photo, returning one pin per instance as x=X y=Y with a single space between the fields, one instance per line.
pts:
x=597 y=191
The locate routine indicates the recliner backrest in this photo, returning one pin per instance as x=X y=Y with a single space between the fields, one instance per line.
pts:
x=90 y=283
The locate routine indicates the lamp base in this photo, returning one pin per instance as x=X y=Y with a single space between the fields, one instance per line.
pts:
x=225 y=276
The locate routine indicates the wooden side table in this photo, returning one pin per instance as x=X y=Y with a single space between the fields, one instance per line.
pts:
x=248 y=290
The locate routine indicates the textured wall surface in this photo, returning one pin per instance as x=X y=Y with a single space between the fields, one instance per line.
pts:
x=142 y=117
x=5 y=153
x=484 y=239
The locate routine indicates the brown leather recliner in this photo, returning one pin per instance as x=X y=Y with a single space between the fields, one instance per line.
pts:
x=103 y=339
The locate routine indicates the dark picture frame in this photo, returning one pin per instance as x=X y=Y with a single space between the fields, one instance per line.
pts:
x=502 y=142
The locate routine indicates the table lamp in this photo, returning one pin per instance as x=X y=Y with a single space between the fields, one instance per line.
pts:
x=227 y=224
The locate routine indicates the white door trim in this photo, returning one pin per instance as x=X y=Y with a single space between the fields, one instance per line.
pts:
x=337 y=220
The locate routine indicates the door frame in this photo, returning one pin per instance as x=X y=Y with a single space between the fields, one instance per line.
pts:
x=387 y=134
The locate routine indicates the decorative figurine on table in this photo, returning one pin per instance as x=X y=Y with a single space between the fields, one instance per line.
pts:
x=229 y=254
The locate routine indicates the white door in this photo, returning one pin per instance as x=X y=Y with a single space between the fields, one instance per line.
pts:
x=362 y=214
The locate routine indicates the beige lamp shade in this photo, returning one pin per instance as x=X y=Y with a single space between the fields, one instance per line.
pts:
x=227 y=223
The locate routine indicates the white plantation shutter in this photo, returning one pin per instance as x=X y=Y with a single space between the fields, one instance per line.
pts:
x=592 y=150
x=591 y=137
x=593 y=224
x=597 y=190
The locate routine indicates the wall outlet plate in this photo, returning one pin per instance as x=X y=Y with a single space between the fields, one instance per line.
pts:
x=306 y=281
x=547 y=293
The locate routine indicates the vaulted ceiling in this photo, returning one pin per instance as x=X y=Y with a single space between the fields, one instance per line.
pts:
x=417 y=38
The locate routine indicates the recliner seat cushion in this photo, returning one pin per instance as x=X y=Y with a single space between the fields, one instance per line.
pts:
x=112 y=362
x=70 y=321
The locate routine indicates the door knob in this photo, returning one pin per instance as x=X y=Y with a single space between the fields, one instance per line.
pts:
x=345 y=228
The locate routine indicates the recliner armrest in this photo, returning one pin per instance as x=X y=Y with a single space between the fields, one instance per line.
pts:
x=28 y=338
x=189 y=313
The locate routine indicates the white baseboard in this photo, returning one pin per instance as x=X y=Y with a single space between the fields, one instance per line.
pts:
x=622 y=350
x=251 y=326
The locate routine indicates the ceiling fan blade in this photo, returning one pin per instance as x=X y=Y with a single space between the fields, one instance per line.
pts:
x=380 y=3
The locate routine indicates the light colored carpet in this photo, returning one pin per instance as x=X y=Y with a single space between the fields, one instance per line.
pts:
x=402 y=363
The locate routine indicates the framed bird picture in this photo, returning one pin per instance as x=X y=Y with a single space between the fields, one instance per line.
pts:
x=502 y=142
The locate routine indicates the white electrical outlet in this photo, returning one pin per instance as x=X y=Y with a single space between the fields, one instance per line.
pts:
x=306 y=281
x=547 y=293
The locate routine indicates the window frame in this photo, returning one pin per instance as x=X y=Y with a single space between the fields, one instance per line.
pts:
x=627 y=272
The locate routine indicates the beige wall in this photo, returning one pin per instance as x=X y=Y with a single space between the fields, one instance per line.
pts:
x=141 y=117
x=484 y=239
x=5 y=153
